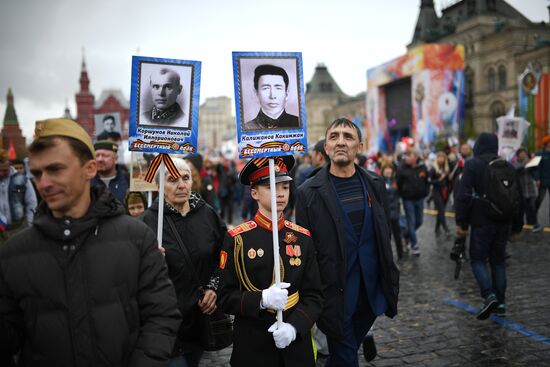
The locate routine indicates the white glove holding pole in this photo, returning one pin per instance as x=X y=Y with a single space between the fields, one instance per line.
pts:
x=275 y=297
x=284 y=335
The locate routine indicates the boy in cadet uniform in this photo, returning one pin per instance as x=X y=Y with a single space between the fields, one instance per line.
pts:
x=248 y=288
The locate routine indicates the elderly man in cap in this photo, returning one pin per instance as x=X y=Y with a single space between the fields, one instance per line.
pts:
x=86 y=285
x=247 y=287
x=106 y=156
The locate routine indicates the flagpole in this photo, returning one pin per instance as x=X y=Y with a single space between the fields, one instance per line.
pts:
x=149 y=198
x=275 y=232
x=161 y=203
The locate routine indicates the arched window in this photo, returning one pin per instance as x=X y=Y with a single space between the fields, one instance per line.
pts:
x=491 y=80
x=497 y=110
x=469 y=83
x=501 y=77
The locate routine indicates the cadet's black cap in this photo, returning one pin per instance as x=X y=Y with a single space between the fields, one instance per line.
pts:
x=256 y=171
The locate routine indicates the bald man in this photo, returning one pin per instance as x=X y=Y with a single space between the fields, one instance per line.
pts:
x=165 y=89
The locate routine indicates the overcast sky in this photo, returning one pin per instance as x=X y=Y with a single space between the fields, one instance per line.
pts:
x=42 y=40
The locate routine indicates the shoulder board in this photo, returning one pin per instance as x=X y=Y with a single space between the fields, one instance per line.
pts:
x=241 y=228
x=297 y=228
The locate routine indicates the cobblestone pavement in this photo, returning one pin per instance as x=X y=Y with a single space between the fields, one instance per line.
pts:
x=434 y=327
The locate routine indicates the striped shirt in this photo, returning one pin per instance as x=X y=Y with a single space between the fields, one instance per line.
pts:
x=350 y=193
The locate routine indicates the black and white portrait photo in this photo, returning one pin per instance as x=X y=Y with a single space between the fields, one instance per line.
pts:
x=165 y=92
x=107 y=126
x=269 y=91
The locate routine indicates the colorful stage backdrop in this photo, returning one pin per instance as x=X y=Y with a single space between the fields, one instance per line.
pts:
x=420 y=94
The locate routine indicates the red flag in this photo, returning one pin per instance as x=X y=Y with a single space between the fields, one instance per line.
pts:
x=11 y=152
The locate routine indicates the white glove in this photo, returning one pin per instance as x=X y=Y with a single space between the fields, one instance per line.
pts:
x=275 y=297
x=284 y=335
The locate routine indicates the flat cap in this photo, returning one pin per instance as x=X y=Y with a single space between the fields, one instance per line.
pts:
x=63 y=127
x=256 y=171
x=106 y=145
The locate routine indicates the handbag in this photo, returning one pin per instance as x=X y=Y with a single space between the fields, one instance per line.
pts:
x=215 y=330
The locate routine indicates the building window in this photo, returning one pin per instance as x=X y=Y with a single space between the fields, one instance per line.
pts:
x=501 y=77
x=491 y=80
x=469 y=83
x=326 y=87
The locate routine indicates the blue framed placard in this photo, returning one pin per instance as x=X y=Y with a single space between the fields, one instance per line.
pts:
x=164 y=105
x=269 y=103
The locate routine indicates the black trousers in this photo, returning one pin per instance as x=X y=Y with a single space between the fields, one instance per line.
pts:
x=396 y=232
x=440 y=207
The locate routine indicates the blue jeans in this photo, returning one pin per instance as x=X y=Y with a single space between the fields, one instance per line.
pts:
x=488 y=244
x=187 y=359
x=414 y=213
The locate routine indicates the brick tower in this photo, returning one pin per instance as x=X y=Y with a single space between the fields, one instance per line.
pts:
x=85 y=102
x=11 y=132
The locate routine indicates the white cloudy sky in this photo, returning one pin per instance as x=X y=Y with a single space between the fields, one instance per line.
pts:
x=41 y=41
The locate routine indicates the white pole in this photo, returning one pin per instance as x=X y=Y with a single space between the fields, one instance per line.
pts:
x=149 y=198
x=161 y=203
x=275 y=231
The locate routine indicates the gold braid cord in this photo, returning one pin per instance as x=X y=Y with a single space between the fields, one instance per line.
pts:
x=240 y=268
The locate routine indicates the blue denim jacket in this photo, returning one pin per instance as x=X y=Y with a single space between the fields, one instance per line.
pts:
x=17 y=189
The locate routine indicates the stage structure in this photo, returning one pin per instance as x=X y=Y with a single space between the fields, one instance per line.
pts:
x=419 y=95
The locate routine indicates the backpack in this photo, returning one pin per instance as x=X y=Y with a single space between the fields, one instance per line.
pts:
x=501 y=191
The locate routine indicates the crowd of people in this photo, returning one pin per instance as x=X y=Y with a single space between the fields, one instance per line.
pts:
x=84 y=282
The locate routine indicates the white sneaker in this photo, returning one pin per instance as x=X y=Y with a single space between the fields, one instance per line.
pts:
x=536 y=228
x=415 y=250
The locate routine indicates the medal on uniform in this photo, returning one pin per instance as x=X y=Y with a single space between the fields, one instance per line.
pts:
x=290 y=250
x=297 y=251
x=290 y=237
x=251 y=254
x=298 y=262
x=260 y=252
x=292 y=261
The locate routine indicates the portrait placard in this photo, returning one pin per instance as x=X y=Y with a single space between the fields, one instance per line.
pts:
x=164 y=105
x=107 y=126
x=269 y=103
x=139 y=163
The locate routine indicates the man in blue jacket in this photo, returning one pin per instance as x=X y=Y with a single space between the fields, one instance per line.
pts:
x=17 y=199
x=346 y=210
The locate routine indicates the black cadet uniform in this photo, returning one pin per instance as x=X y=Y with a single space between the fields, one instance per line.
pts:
x=247 y=268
